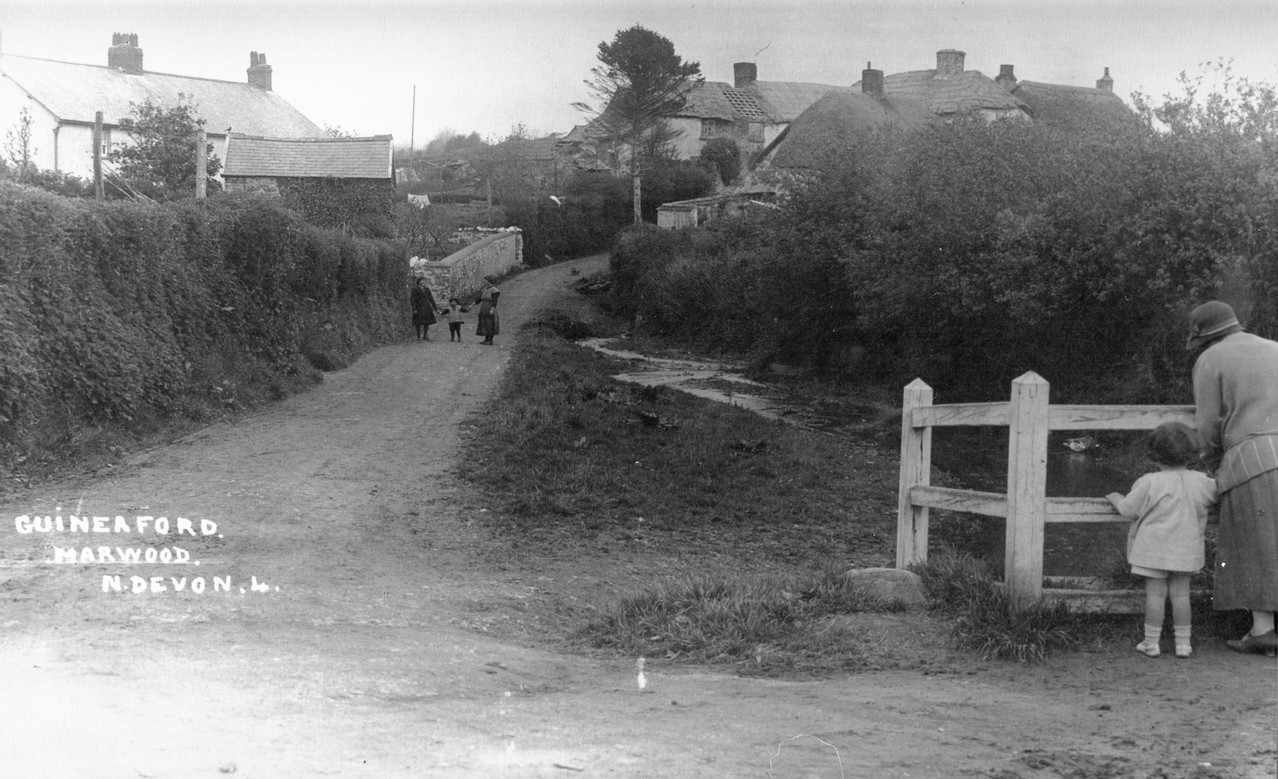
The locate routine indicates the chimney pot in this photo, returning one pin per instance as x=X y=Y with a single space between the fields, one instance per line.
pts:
x=259 y=73
x=949 y=62
x=744 y=74
x=872 y=82
x=1006 y=78
x=124 y=53
x=1105 y=82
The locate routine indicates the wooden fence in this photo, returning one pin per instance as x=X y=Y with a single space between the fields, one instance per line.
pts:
x=1025 y=507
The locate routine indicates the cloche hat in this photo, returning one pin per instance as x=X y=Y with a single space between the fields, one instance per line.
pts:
x=1213 y=319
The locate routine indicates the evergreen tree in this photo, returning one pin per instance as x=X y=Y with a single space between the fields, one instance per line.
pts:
x=639 y=82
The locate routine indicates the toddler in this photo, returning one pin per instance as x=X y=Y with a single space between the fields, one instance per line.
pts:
x=1165 y=544
x=454 y=314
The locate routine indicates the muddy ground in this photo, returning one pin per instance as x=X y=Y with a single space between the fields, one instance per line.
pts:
x=390 y=635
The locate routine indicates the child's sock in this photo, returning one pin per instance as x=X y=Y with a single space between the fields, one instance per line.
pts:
x=1149 y=647
x=1183 y=648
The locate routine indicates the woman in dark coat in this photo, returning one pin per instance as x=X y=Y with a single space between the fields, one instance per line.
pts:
x=1236 y=397
x=423 y=309
x=489 y=324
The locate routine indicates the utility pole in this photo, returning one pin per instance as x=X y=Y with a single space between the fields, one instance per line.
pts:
x=201 y=164
x=99 y=191
x=412 y=132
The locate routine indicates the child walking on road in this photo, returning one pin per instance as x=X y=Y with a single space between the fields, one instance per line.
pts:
x=1165 y=543
x=454 y=315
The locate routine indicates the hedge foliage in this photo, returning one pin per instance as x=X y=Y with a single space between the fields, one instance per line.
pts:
x=123 y=312
x=971 y=252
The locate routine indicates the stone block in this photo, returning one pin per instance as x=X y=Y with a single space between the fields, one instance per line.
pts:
x=892 y=585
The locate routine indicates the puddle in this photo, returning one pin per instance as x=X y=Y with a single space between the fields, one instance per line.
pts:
x=724 y=383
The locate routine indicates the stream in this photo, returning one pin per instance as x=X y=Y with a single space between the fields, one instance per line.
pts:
x=975 y=457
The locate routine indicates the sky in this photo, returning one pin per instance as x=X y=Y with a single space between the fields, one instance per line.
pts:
x=488 y=66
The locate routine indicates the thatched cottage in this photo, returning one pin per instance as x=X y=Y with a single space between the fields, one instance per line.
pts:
x=917 y=98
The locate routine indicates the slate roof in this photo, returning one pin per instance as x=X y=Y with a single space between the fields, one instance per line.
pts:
x=347 y=158
x=74 y=92
x=970 y=90
x=838 y=121
x=1075 y=108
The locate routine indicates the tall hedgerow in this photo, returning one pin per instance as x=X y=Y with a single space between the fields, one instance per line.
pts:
x=125 y=314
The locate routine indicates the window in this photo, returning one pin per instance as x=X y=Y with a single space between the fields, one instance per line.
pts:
x=710 y=128
x=755 y=132
x=106 y=141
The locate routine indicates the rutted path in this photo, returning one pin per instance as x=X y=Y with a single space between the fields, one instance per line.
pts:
x=372 y=659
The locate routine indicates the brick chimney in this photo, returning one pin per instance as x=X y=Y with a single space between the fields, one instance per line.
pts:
x=872 y=82
x=259 y=73
x=744 y=74
x=949 y=62
x=1105 y=82
x=124 y=53
x=1006 y=78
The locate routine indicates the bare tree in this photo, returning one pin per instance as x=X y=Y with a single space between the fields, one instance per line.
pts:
x=17 y=144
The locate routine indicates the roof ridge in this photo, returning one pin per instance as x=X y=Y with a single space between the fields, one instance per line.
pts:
x=127 y=73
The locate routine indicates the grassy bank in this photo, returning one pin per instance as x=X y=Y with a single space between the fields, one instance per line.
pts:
x=570 y=454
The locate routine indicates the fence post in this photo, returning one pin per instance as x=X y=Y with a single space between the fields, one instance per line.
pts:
x=916 y=468
x=1026 y=488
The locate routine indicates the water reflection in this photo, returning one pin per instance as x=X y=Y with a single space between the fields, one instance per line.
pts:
x=977 y=459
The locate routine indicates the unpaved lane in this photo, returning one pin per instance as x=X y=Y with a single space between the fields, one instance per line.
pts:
x=371 y=658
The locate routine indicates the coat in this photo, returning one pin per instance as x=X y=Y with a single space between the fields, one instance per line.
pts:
x=423 y=303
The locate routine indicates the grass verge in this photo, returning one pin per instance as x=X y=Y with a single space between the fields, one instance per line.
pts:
x=765 y=623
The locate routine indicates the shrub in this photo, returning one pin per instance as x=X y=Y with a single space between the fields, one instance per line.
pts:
x=723 y=156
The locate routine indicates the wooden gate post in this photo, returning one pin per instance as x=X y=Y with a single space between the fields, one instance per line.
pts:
x=1026 y=488
x=916 y=468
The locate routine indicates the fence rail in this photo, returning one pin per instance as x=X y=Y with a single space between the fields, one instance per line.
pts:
x=1025 y=506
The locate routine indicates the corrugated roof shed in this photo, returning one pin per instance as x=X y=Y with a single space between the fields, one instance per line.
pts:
x=347 y=158
x=74 y=93
x=969 y=90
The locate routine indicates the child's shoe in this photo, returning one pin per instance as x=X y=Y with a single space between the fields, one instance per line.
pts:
x=1183 y=633
x=1148 y=649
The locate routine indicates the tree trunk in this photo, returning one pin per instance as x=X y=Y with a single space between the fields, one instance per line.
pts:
x=638 y=196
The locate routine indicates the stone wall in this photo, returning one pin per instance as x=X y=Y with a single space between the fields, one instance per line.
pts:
x=461 y=274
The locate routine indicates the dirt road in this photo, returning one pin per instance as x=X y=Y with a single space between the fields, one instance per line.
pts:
x=370 y=646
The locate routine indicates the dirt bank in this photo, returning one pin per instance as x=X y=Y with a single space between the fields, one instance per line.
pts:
x=393 y=640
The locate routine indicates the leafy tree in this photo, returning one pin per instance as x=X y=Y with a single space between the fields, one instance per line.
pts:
x=723 y=156
x=160 y=161
x=639 y=82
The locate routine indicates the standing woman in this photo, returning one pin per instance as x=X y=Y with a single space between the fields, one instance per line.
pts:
x=1236 y=396
x=423 y=309
x=489 y=324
